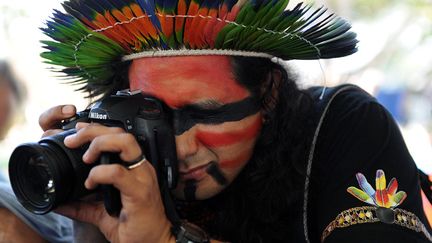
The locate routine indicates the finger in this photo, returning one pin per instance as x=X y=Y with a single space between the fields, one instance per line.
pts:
x=87 y=132
x=50 y=118
x=51 y=132
x=123 y=143
x=117 y=175
x=81 y=125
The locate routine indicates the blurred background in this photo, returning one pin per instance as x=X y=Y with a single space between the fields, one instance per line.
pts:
x=394 y=63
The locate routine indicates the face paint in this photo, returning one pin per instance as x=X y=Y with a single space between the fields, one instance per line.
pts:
x=215 y=118
x=235 y=162
x=188 y=116
x=214 y=171
x=189 y=190
x=218 y=139
x=180 y=81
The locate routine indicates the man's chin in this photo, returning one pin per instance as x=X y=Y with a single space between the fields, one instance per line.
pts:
x=200 y=194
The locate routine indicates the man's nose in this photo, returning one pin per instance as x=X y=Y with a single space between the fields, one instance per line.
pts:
x=186 y=144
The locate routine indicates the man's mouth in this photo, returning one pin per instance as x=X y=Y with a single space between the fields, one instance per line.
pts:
x=197 y=173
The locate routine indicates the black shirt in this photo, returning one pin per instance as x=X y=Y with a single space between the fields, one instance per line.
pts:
x=358 y=135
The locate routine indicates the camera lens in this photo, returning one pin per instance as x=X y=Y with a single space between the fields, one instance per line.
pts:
x=46 y=174
x=39 y=179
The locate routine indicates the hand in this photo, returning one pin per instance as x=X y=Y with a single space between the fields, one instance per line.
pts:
x=142 y=218
x=50 y=120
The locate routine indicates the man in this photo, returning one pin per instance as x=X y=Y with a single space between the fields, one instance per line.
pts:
x=259 y=159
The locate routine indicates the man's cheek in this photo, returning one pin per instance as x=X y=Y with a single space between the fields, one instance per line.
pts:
x=239 y=134
x=237 y=161
x=235 y=156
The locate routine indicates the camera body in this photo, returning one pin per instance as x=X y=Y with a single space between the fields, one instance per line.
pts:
x=47 y=173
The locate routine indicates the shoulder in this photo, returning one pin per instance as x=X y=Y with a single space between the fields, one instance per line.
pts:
x=353 y=131
x=359 y=136
x=339 y=103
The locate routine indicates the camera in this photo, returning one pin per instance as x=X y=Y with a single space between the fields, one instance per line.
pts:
x=47 y=174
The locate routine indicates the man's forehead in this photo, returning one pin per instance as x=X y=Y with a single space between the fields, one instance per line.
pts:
x=185 y=80
x=184 y=64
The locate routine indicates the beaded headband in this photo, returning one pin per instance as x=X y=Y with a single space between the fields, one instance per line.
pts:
x=94 y=37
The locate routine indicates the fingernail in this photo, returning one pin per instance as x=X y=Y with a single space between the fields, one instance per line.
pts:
x=68 y=110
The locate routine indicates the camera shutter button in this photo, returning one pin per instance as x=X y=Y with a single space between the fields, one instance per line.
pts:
x=129 y=125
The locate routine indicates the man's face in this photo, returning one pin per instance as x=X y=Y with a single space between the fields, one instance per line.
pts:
x=206 y=150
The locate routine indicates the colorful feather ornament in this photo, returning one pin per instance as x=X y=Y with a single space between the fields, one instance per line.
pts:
x=385 y=197
x=94 y=36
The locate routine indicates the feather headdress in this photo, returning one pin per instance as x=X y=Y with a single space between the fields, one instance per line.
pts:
x=93 y=36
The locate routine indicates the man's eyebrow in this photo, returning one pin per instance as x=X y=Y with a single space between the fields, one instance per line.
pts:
x=205 y=105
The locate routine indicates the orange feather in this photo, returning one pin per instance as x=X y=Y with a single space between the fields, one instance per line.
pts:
x=193 y=10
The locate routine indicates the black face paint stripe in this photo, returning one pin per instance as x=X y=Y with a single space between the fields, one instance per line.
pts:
x=190 y=115
x=214 y=171
x=189 y=190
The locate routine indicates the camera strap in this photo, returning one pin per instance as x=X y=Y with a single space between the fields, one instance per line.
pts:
x=170 y=208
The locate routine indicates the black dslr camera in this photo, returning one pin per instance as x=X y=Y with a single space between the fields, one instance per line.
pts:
x=47 y=173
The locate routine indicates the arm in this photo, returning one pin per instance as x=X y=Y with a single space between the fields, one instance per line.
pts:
x=18 y=223
x=84 y=232
x=13 y=229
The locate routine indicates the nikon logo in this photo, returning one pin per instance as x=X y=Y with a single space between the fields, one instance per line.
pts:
x=94 y=115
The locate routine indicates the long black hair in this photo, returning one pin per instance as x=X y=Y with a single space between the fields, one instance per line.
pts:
x=263 y=202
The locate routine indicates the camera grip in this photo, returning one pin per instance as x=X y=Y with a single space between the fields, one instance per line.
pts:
x=111 y=195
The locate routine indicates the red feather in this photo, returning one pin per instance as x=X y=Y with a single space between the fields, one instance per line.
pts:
x=209 y=28
x=392 y=187
x=229 y=16
x=192 y=11
x=197 y=25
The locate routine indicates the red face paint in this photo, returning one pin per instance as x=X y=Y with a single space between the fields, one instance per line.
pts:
x=226 y=138
x=193 y=81
x=180 y=81
x=236 y=162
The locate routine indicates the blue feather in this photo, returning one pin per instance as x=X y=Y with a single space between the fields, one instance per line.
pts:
x=149 y=8
x=229 y=3
x=77 y=10
x=364 y=185
x=95 y=6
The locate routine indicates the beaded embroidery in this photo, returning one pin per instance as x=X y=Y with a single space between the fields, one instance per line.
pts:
x=369 y=214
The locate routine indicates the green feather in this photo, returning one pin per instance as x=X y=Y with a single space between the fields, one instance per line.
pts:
x=398 y=198
x=361 y=195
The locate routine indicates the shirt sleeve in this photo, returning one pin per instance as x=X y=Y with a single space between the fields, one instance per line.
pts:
x=358 y=135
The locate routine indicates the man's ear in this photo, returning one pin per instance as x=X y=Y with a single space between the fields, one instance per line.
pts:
x=270 y=91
